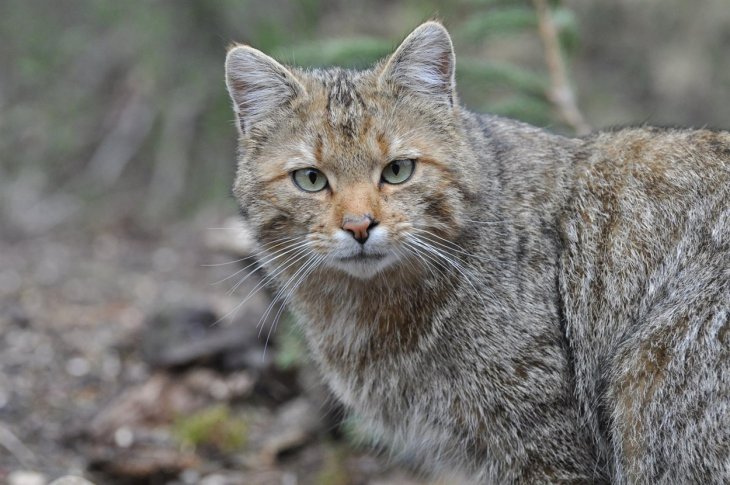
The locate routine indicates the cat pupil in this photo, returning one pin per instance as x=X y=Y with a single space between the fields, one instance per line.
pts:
x=396 y=168
x=312 y=177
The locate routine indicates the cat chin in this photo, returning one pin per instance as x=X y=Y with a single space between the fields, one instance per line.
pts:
x=365 y=269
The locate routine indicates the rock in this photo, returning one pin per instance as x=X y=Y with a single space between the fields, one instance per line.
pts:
x=143 y=465
x=155 y=402
x=215 y=479
x=26 y=477
x=253 y=477
x=71 y=480
x=163 y=398
x=295 y=425
x=195 y=336
x=166 y=332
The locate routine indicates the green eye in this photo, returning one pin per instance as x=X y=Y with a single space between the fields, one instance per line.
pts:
x=309 y=179
x=398 y=171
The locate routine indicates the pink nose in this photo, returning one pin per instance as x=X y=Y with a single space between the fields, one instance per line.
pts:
x=358 y=227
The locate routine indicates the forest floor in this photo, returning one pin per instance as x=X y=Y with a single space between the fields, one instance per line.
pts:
x=116 y=365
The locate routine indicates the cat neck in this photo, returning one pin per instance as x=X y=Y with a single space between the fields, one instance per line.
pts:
x=349 y=318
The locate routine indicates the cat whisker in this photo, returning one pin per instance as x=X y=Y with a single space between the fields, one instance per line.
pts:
x=263 y=249
x=451 y=246
x=269 y=278
x=428 y=260
x=281 y=291
x=288 y=245
x=214 y=265
x=286 y=238
x=302 y=253
x=403 y=256
x=454 y=263
x=486 y=223
x=297 y=249
x=446 y=243
x=276 y=243
x=429 y=247
x=317 y=262
x=495 y=227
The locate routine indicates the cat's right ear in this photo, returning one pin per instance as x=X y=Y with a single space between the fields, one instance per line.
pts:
x=424 y=64
x=258 y=85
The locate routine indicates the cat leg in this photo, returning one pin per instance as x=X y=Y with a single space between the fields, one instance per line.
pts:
x=670 y=388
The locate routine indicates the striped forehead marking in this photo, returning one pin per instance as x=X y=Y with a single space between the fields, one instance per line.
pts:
x=345 y=106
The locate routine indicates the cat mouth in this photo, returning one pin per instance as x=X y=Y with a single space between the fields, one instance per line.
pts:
x=363 y=257
x=363 y=265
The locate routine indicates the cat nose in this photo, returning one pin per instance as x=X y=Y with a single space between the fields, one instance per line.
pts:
x=359 y=227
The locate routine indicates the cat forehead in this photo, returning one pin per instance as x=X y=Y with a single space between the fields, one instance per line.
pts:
x=340 y=86
x=347 y=115
x=342 y=99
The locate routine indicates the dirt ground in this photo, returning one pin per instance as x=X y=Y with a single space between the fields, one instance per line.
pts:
x=118 y=363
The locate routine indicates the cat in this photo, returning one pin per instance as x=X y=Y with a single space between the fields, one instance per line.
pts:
x=492 y=298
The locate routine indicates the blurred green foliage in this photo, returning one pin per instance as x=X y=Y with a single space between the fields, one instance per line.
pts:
x=214 y=427
x=333 y=470
x=121 y=106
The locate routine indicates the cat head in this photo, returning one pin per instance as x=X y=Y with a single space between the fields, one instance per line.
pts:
x=352 y=169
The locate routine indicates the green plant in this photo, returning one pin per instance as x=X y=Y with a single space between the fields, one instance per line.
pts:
x=215 y=427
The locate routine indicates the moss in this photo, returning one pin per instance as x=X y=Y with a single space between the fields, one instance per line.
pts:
x=215 y=427
x=333 y=471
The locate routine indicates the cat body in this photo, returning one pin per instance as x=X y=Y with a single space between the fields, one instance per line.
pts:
x=490 y=297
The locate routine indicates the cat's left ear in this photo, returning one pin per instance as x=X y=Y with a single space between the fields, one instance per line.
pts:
x=259 y=86
x=424 y=63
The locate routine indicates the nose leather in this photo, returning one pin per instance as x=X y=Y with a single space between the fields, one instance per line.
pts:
x=358 y=227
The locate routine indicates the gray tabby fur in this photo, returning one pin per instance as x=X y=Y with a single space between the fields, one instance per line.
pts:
x=574 y=328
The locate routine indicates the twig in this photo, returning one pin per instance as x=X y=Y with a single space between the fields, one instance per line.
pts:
x=10 y=442
x=173 y=155
x=560 y=93
x=121 y=143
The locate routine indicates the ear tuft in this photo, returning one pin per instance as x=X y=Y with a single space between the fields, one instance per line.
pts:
x=258 y=85
x=424 y=63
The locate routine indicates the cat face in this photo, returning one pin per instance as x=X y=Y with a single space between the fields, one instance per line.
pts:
x=357 y=171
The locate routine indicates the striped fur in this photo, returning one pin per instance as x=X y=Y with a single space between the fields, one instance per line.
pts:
x=534 y=309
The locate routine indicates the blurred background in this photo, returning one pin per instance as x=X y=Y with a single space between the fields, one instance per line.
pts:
x=122 y=355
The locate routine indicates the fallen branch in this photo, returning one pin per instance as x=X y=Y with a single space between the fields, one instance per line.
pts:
x=560 y=94
x=15 y=447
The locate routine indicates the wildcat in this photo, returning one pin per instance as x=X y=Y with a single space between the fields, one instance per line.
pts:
x=496 y=299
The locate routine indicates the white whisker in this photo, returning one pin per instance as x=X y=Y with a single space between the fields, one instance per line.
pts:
x=451 y=246
x=486 y=223
x=429 y=261
x=297 y=250
x=213 y=265
x=269 y=278
x=456 y=265
x=265 y=248
x=282 y=290
x=314 y=264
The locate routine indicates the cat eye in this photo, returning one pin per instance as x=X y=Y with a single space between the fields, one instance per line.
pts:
x=309 y=179
x=398 y=171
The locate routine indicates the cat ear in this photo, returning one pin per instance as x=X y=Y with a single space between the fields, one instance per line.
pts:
x=258 y=85
x=424 y=63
